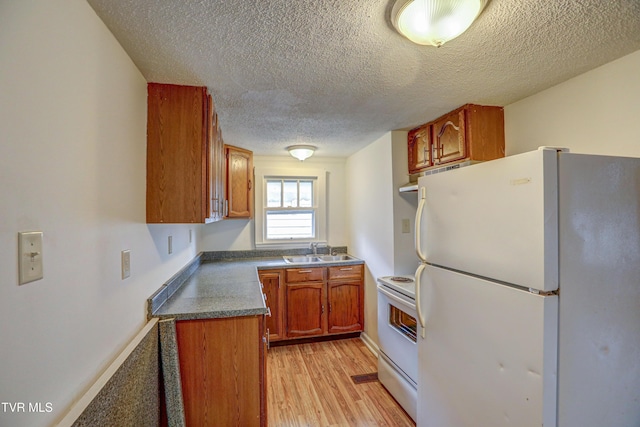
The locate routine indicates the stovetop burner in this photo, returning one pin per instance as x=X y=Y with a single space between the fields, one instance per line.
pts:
x=405 y=285
x=401 y=279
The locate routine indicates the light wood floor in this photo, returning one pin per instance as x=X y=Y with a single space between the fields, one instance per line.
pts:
x=311 y=385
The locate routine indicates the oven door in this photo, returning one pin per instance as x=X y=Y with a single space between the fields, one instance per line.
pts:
x=397 y=331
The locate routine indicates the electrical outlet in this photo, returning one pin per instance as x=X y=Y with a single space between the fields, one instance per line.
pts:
x=30 y=256
x=190 y=235
x=170 y=244
x=126 y=264
x=406 y=225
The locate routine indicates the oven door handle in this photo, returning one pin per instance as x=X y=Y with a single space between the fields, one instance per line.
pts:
x=396 y=298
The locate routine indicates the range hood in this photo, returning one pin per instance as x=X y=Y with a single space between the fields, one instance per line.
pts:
x=408 y=187
x=412 y=186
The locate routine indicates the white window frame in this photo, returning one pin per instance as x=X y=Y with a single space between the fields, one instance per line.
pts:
x=319 y=205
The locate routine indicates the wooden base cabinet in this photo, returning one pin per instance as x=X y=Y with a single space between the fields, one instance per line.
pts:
x=345 y=297
x=305 y=309
x=273 y=289
x=324 y=300
x=222 y=369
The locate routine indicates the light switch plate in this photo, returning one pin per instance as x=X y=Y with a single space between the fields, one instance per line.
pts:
x=170 y=245
x=126 y=264
x=30 y=256
x=406 y=225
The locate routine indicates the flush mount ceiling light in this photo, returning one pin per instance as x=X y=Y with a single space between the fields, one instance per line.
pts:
x=301 y=152
x=434 y=22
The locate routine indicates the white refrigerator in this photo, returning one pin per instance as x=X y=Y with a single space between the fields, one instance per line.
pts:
x=528 y=293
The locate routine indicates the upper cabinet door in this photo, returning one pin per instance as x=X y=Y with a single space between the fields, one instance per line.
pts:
x=177 y=160
x=239 y=182
x=450 y=138
x=420 y=146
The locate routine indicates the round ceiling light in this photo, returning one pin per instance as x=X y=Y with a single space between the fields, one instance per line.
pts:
x=435 y=22
x=301 y=152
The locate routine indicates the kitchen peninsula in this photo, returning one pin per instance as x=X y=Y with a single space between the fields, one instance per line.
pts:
x=214 y=333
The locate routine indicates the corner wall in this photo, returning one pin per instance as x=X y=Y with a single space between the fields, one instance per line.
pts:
x=370 y=216
x=596 y=112
x=72 y=164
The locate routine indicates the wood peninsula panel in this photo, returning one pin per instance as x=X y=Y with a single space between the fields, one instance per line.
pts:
x=222 y=371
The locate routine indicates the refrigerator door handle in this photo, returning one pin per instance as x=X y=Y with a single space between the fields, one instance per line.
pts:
x=418 y=308
x=421 y=203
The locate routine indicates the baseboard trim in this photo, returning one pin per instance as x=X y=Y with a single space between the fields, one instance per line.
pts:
x=371 y=345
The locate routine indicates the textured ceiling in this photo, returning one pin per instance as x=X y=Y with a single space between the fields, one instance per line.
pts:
x=335 y=74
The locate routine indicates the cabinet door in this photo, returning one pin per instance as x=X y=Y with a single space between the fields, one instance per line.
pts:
x=239 y=182
x=222 y=371
x=419 y=145
x=211 y=126
x=449 y=134
x=346 y=304
x=220 y=172
x=305 y=309
x=274 y=291
x=176 y=154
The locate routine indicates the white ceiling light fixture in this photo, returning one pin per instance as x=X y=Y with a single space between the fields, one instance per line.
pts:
x=301 y=152
x=434 y=22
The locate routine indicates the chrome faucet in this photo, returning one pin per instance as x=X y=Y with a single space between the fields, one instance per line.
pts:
x=314 y=246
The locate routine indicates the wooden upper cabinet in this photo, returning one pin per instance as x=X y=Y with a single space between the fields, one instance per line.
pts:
x=420 y=147
x=180 y=169
x=450 y=138
x=471 y=132
x=239 y=182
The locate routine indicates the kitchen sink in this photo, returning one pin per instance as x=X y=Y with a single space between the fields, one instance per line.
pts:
x=301 y=259
x=309 y=259
x=335 y=258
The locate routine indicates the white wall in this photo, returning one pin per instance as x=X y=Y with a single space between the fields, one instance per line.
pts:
x=72 y=164
x=370 y=216
x=404 y=208
x=597 y=112
x=239 y=234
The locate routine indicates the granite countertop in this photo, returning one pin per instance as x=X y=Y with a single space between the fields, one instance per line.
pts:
x=212 y=288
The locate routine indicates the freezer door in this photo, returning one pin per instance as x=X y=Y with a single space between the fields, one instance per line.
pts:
x=497 y=219
x=489 y=355
x=599 y=360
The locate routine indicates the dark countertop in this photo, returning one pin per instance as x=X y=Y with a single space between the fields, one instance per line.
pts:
x=220 y=288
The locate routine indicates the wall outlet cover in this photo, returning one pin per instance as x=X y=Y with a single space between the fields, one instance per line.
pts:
x=126 y=264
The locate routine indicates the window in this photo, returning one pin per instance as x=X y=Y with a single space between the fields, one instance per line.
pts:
x=290 y=207
x=289 y=213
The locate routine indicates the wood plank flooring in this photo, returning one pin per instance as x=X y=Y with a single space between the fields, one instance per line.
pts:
x=311 y=385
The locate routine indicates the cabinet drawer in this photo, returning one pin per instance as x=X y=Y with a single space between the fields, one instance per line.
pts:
x=295 y=275
x=345 y=271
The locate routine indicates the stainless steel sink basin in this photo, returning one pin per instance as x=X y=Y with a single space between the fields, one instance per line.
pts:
x=334 y=258
x=301 y=259
x=308 y=259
